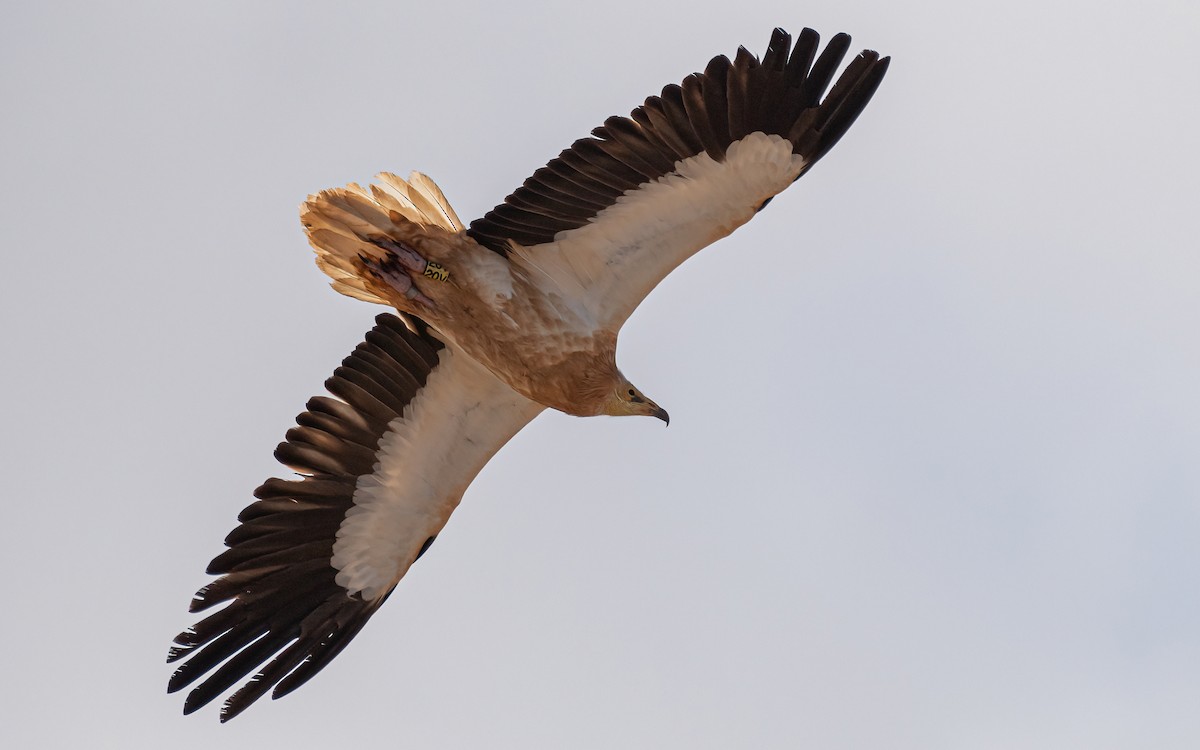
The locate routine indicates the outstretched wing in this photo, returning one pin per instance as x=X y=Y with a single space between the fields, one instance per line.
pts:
x=383 y=466
x=614 y=214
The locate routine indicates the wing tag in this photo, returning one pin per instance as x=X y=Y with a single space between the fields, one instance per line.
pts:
x=436 y=271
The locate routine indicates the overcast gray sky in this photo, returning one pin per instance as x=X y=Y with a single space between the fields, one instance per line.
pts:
x=931 y=479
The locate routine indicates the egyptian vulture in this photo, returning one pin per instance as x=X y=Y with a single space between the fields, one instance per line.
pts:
x=494 y=322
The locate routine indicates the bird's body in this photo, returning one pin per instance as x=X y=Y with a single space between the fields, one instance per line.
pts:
x=499 y=320
x=506 y=315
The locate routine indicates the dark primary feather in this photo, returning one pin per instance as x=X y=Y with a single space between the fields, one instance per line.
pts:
x=780 y=95
x=286 y=616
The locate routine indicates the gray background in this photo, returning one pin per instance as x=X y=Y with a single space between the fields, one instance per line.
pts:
x=931 y=479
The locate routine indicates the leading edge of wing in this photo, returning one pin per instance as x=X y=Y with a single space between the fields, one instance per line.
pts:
x=383 y=465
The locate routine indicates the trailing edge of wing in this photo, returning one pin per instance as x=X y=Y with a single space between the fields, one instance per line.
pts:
x=779 y=95
x=284 y=605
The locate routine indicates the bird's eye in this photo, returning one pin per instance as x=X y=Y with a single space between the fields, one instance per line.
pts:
x=631 y=393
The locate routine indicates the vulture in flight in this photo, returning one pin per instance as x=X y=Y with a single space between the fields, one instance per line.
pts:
x=494 y=322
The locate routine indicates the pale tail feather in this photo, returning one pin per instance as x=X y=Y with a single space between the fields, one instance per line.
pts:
x=341 y=222
x=432 y=195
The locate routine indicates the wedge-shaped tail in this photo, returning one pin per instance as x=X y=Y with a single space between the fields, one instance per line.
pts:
x=343 y=225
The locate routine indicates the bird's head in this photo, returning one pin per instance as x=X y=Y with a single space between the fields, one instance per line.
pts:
x=626 y=400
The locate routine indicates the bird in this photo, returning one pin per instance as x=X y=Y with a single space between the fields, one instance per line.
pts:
x=490 y=324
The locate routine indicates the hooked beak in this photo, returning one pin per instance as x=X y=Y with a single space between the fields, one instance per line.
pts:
x=661 y=413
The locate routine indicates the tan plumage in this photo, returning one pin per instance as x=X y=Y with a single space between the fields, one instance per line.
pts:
x=497 y=312
x=337 y=220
